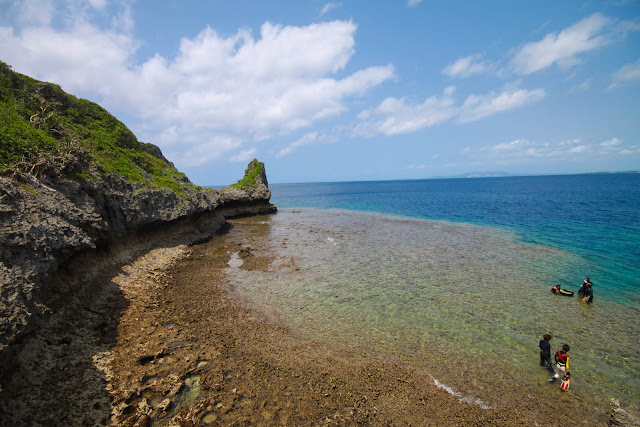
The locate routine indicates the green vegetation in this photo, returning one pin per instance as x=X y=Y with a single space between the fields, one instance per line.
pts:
x=252 y=176
x=30 y=189
x=46 y=133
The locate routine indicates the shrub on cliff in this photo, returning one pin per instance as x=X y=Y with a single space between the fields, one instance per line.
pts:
x=254 y=176
x=45 y=132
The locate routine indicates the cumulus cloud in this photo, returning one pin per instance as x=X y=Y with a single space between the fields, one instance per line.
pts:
x=396 y=116
x=82 y=59
x=564 y=48
x=466 y=66
x=217 y=94
x=478 y=107
x=628 y=74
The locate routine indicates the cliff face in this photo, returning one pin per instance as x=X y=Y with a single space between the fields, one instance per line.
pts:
x=74 y=179
x=44 y=226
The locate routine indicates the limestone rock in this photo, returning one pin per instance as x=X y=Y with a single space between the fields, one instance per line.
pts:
x=44 y=224
x=620 y=417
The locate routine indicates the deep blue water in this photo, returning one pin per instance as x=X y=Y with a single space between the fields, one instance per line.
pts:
x=594 y=216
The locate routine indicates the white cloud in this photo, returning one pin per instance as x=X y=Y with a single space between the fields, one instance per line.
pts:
x=328 y=7
x=518 y=144
x=218 y=91
x=628 y=74
x=582 y=87
x=579 y=149
x=203 y=153
x=574 y=150
x=395 y=116
x=413 y=3
x=634 y=149
x=98 y=4
x=244 y=155
x=81 y=58
x=36 y=12
x=478 y=107
x=565 y=47
x=465 y=67
x=308 y=139
x=611 y=143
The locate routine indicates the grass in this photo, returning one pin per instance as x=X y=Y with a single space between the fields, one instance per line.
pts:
x=48 y=133
x=30 y=189
x=250 y=181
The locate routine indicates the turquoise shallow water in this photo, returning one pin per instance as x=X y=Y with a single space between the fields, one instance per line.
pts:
x=464 y=303
x=596 y=217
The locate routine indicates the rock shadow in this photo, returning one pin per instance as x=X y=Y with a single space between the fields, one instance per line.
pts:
x=58 y=373
x=51 y=376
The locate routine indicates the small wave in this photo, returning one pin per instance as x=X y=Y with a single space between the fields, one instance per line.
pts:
x=462 y=398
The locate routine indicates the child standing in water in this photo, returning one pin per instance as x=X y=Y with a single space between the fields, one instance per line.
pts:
x=545 y=351
x=562 y=361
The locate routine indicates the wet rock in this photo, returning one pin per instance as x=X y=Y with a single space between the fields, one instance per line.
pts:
x=209 y=417
x=149 y=379
x=165 y=405
x=620 y=417
x=245 y=252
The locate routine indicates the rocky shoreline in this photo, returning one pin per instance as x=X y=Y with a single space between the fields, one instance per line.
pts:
x=156 y=338
x=175 y=352
x=63 y=243
x=44 y=225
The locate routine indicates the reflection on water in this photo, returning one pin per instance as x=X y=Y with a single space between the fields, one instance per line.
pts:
x=465 y=304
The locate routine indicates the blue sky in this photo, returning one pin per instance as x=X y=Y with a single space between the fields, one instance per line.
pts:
x=349 y=90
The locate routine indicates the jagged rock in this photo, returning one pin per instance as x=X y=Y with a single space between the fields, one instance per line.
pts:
x=43 y=225
x=620 y=417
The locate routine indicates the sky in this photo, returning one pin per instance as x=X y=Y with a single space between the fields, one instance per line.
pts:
x=349 y=90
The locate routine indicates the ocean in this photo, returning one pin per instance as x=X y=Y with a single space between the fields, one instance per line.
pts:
x=453 y=277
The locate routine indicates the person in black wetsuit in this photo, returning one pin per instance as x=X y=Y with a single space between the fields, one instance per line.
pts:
x=584 y=286
x=588 y=293
x=545 y=351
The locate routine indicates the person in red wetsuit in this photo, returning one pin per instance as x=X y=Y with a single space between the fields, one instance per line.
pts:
x=562 y=362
